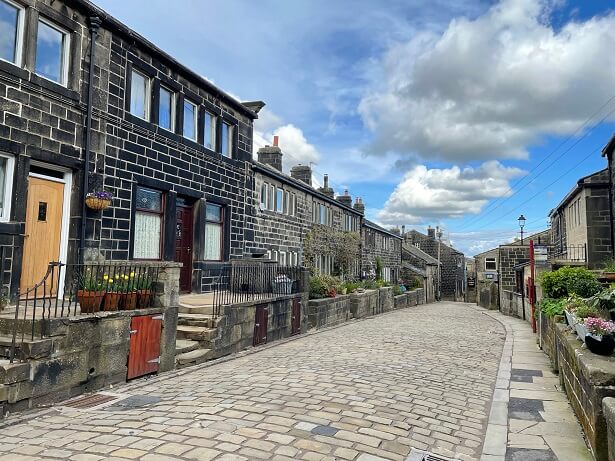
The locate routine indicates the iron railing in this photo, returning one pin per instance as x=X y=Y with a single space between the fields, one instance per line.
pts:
x=238 y=283
x=70 y=290
x=570 y=253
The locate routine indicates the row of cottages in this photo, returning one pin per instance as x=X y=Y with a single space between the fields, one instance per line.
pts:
x=451 y=281
x=416 y=264
x=86 y=105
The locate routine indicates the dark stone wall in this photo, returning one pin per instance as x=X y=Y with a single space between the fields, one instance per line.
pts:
x=509 y=256
x=378 y=244
x=598 y=226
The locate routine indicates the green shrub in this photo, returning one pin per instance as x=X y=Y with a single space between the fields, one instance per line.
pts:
x=397 y=290
x=585 y=288
x=563 y=282
x=369 y=284
x=584 y=311
x=609 y=265
x=322 y=286
x=351 y=287
x=552 y=307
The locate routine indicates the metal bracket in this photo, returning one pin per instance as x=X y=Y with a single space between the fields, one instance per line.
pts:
x=156 y=360
x=158 y=317
x=133 y=332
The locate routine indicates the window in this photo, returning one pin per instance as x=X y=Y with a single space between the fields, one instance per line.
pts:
x=271 y=201
x=293 y=205
x=189 y=120
x=148 y=224
x=282 y=259
x=209 y=131
x=139 y=95
x=322 y=214
x=166 y=112
x=286 y=202
x=264 y=195
x=490 y=264
x=226 y=141
x=214 y=227
x=52 y=50
x=11 y=25
x=279 y=200
x=7 y=165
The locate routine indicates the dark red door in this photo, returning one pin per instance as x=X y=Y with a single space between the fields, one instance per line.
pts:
x=295 y=320
x=183 y=245
x=144 y=353
x=260 y=325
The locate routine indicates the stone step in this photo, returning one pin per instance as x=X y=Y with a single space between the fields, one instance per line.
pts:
x=185 y=345
x=191 y=309
x=198 y=320
x=26 y=349
x=193 y=357
x=196 y=333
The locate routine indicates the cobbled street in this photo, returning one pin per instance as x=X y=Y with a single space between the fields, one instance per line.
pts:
x=421 y=377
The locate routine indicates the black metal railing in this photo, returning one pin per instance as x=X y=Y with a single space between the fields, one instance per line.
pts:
x=70 y=290
x=238 y=283
x=570 y=253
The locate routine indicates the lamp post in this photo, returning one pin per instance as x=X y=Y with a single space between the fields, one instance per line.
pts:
x=521 y=220
x=439 y=235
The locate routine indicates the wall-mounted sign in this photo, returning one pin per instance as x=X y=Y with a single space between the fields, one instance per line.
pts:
x=540 y=253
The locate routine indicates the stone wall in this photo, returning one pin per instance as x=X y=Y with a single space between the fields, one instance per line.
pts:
x=548 y=337
x=515 y=305
x=378 y=243
x=509 y=257
x=608 y=406
x=488 y=295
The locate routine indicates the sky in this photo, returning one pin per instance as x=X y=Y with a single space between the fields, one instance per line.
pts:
x=461 y=114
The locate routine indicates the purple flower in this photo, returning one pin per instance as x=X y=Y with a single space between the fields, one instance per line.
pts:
x=597 y=326
x=102 y=195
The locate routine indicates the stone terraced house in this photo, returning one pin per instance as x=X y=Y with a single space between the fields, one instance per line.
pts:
x=379 y=244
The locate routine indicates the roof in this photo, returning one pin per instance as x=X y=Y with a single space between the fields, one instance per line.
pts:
x=118 y=26
x=375 y=226
x=610 y=146
x=418 y=253
x=597 y=179
x=442 y=243
x=526 y=239
x=414 y=269
x=485 y=252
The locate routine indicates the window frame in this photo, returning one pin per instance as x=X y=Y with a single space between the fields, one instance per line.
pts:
x=161 y=213
x=213 y=130
x=264 y=196
x=491 y=260
x=173 y=105
x=271 y=200
x=148 y=94
x=279 y=200
x=229 y=139
x=5 y=216
x=19 y=33
x=222 y=230
x=195 y=119
x=66 y=43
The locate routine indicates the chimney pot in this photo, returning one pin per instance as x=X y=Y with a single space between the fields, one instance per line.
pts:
x=275 y=140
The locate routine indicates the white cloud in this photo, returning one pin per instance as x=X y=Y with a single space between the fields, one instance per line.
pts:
x=433 y=194
x=489 y=87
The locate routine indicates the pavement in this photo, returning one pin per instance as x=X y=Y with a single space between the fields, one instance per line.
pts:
x=423 y=377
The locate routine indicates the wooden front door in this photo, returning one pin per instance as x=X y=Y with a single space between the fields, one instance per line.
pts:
x=144 y=353
x=183 y=246
x=295 y=319
x=261 y=321
x=43 y=231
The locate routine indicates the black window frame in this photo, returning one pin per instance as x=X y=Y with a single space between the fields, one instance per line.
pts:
x=222 y=223
x=162 y=214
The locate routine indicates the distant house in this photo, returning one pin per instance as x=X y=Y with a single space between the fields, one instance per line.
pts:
x=581 y=223
x=417 y=263
x=378 y=243
x=487 y=291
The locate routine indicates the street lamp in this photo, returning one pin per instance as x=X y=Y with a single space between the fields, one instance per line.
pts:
x=521 y=220
x=439 y=235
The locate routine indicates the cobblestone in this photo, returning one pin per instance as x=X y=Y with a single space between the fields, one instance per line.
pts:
x=371 y=390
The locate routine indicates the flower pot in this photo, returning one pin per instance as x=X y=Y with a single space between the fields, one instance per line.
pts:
x=128 y=301
x=89 y=301
x=581 y=330
x=601 y=345
x=143 y=298
x=570 y=318
x=610 y=276
x=96 y=203
x=112 y=301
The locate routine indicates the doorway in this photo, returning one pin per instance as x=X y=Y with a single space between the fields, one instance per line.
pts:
x=183 y=244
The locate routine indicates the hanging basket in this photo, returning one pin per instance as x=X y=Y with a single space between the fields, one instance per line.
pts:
x=96 y=203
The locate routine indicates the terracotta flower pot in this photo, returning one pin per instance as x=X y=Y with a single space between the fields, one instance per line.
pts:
x=112 y=301
x=144 y=298
x=89 y=301
x=128 y=301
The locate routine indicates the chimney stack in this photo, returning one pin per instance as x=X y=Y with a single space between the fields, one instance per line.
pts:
x=359 y=206
x=271 y=155
x=325 y=189
x=403 y=230
x=302 y=173
x=345 y=199
x=431 y=232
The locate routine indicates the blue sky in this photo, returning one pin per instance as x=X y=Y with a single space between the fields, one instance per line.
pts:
x=435 y=112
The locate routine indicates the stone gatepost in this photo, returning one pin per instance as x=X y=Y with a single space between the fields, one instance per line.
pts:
x=167 y=298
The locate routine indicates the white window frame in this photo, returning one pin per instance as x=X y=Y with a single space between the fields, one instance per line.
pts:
x=229 y=140
x=214 y=122
x=148 y=94
x=195 y=119
x=8 y=187
x=264 y=196
x=279 y=200
x=66 y=37
x=19 y=33
x=491 y=260
x=271 y=200
x=173 y=108
x=282 y=259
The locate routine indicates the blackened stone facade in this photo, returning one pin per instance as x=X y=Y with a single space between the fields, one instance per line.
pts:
x=415 y=262
x=383 y=245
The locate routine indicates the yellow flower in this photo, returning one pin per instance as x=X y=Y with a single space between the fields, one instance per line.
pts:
x=110 y=280
x=132 y=274
x=105 y=277
x=126 y=277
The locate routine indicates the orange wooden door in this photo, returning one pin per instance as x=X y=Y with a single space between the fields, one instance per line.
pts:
x=144 y=353
x=43 y=231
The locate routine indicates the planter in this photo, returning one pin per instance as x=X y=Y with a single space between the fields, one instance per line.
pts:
x=570 y=319
x=89 y=301
x=143 y=299
x=112 y=301
x=601 y=345
x=128 y=301
x=610 y=276
x=581 y=331
x=97 y=204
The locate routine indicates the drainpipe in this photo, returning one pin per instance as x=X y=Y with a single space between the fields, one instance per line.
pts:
x=95 y=23
x=609 y=159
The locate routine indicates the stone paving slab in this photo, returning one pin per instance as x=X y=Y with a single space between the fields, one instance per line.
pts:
x=421 y=377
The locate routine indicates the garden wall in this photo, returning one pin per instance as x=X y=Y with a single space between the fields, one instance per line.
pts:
x=608 y=406
x=515 y=305
x=328 y=312
x=548 y=337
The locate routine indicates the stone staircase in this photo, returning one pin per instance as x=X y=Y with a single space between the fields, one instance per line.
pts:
x=196 y=330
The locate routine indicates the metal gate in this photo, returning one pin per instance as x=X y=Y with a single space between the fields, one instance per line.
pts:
x=261 y=321
x=144 y=353
x=295 y=322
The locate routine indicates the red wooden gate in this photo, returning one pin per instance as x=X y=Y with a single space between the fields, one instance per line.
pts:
x=144 y=354
x=260 y=325
x=295 y=322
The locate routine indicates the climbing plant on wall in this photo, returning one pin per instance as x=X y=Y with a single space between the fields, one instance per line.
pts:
x=343 y=246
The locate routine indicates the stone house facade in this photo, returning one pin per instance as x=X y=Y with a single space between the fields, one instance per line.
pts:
x=417 y=263
x=379 y=244
x=452 y=268
x=487 y=271
x=581 y=223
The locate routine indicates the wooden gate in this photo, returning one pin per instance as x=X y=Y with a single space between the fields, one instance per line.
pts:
x=295 y=322
x=261 y=321
x=144 y=353
x=183 y=245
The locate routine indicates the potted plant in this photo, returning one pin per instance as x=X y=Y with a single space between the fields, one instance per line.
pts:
x=112 y=296
x=128 y=291
x=144 y=291
x=581 y=313
x=572 y=304
x=609 y=270
x=90 y=294
x=98 y=200
x=599 y=338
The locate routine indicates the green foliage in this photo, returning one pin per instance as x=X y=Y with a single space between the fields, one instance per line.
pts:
x=585 y=288
x=370 y=284
x=90 y=283
x=414 y=283
x=397 y=290
x=323 y=286
x=381 y=283
x=351 y=287
x=605 y=300
x=584 y=311
x=379 y=268
x=563 y=282
x=552 y=307
x=342 y=246
x=609 y=265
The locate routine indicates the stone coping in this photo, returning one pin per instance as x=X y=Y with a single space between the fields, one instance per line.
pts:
x=597 y=369
x=113 y=314
x=254 y=302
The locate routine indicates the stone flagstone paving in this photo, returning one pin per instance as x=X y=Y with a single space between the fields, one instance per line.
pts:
x=421 y=377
